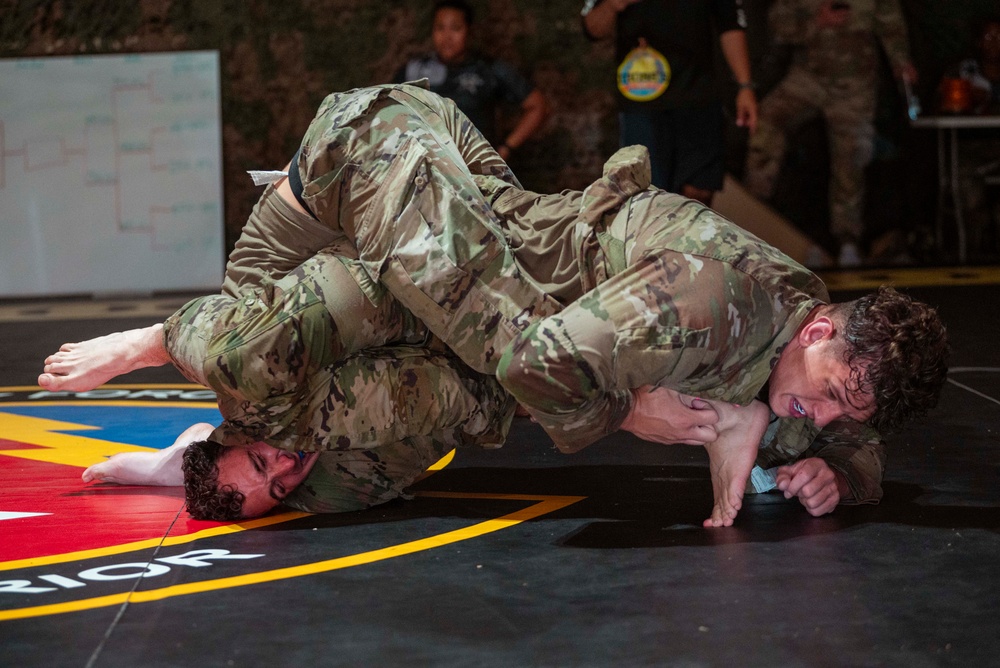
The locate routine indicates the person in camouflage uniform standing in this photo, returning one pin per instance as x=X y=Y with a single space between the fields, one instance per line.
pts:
x=602 y=304
x=834 y=72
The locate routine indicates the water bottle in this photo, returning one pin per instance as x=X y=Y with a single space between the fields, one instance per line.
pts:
x=912 y=101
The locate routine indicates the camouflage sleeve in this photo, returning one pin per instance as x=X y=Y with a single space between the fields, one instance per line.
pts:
x=667 y=320
x=792 y=22
x=567 y=389
x=858 y=453
x=891 y=30
x=850 y=448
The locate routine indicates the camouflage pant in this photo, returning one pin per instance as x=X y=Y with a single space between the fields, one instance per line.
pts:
x=848 y=110
x=391 y=168
x=299 y=366
x=291 y=370
x=280 y=345
x=389 y=171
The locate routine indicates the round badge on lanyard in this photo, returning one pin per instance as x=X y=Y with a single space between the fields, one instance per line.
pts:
x=644 y=74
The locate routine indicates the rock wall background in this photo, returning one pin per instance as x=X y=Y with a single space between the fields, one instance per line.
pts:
x=279 y=59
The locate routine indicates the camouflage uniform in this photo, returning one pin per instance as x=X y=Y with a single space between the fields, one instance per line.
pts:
x=285 y=374
x=835 y=73
x=590 y=294
x=660 y=290
x=280 y=345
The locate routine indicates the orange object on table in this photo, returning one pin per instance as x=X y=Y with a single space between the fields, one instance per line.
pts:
x=956 y=95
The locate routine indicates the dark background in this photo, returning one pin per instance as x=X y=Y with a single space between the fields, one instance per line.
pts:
x=279 y=59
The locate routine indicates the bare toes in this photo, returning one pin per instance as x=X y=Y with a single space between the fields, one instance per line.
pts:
x=57 y=368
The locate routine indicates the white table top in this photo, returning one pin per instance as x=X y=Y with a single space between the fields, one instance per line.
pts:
x=942 y=122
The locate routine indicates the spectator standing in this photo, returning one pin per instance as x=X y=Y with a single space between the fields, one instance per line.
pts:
x=669 y=98
x=478 y=86
x=834 y=72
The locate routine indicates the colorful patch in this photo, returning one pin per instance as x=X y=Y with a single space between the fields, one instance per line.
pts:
x=644 y=74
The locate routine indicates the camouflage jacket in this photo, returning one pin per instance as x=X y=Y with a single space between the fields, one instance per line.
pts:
x=659 y=290
x=610 y=288
x=846 y=52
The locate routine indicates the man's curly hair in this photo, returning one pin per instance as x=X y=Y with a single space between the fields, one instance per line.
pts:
x=897 y=349
x=206 y=500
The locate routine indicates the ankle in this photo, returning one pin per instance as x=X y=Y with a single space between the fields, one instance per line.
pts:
x=151 y=350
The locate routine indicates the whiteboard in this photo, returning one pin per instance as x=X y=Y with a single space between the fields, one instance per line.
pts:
x=110 y=174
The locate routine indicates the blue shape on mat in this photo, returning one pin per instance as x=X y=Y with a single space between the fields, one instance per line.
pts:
x=149 y=426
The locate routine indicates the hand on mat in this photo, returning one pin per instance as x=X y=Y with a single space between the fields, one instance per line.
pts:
x=818 y=487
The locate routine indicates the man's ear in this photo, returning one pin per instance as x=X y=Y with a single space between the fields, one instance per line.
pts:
x=820 y=328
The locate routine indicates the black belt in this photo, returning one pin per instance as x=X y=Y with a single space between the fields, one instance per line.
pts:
x=295 y=182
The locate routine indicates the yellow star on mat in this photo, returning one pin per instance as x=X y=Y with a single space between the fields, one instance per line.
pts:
x=56 y=448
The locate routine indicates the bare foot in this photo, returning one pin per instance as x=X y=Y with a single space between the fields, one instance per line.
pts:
x=135 y=468
x=731 y=457
x=161 y=467
x=78 y=367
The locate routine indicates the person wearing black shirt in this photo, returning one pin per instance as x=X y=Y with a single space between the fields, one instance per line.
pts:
x=667 y=90
x=479 y=86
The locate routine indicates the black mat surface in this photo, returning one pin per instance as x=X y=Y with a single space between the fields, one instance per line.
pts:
x=614 y=571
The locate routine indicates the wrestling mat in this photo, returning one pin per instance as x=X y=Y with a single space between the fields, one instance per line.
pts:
x=515 y=557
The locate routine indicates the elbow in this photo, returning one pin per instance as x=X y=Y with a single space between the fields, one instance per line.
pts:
x=535 y=110
x=513 y=369
x=545 y=108
x=594 y=29
x=524 y=372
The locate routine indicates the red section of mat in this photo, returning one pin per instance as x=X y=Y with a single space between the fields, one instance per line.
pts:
x=79 y=516
x=7 y=444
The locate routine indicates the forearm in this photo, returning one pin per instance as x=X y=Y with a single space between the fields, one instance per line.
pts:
x=534 y=111
x=561 y=389
x=860 y=473
x=892 y=33
x=573 y=371
x=854 y=451
x=857 y=454
x=734 y=49
x=599 y=22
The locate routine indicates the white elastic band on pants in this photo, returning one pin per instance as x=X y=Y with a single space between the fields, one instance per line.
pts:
x=264 y=177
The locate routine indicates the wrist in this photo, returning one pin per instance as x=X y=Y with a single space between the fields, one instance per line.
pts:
x=746 y=85
x=843 y=488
